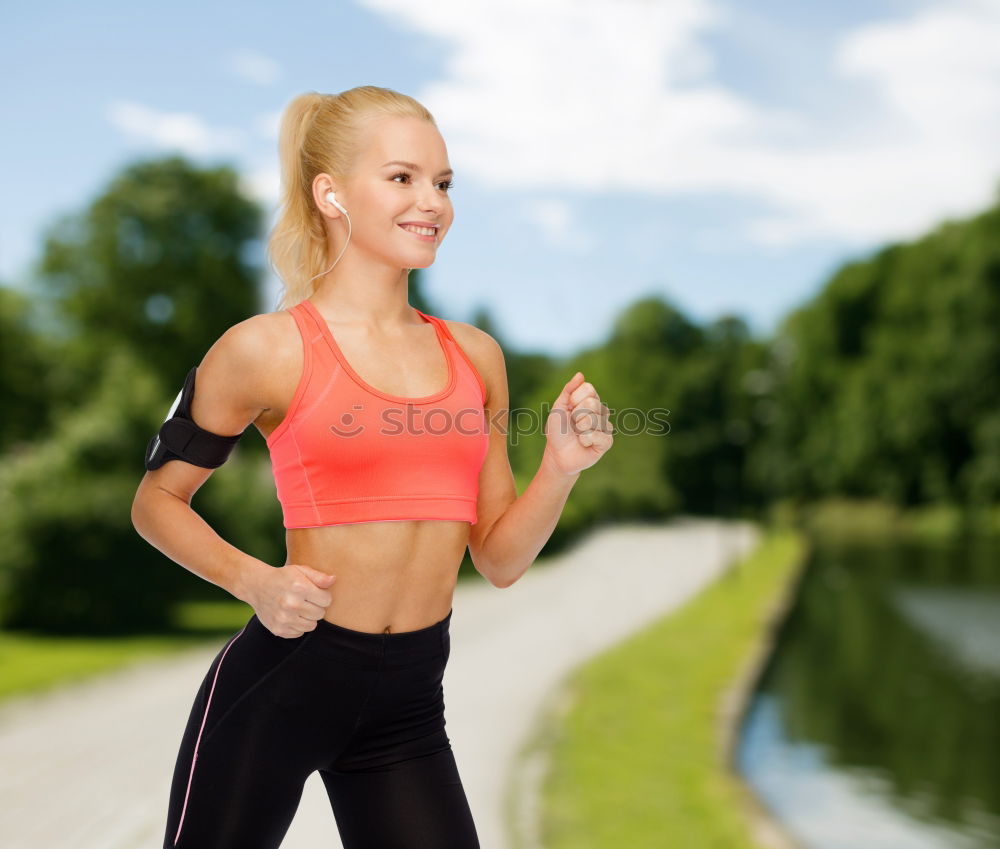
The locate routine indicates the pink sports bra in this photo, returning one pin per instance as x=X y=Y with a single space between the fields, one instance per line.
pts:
x=347 y=452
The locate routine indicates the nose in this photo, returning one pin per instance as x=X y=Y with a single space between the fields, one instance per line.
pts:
x=431 y=200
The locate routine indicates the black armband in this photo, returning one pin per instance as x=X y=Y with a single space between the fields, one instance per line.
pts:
x=180 y=438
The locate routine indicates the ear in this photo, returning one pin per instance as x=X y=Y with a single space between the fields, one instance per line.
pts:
x=323 y=183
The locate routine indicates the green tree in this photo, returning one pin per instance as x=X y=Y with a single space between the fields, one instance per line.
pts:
x=25 y=372
x=893 y=370
x=161 y=263
x=136 y=289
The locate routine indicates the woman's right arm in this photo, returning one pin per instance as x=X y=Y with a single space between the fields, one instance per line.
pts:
x=223 y=403
x=227 y=400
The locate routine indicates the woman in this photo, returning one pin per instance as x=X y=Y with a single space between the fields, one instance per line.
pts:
x=387 y=434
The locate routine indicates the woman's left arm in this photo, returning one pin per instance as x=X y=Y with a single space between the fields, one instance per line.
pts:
x=511 y=530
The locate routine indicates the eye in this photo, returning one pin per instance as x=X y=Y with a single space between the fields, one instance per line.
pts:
x=448 y=184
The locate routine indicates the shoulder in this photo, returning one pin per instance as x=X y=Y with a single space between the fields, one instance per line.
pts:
x=473 y=339
x=485 y=353
x=252 y=342
x=246 y=359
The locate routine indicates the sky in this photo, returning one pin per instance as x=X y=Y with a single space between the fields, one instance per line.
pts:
x=728 y=156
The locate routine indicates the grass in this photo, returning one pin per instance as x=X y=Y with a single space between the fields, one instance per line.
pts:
x=30 y=663
x=633 y=754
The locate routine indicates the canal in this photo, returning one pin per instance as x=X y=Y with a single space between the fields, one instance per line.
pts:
x=876 y=723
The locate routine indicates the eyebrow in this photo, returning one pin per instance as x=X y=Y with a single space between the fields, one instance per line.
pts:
x=415 y=167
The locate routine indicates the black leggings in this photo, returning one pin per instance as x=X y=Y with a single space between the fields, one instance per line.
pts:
x=366 y=710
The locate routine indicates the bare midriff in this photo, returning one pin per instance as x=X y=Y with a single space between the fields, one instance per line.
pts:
x=395 y=575
x=398 y=576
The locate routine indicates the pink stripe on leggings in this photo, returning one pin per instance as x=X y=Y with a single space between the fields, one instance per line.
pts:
x=198 y=741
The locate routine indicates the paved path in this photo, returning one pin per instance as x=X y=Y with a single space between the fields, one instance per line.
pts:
x=89 y=766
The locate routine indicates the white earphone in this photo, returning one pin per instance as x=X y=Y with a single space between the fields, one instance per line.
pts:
x=331 y=196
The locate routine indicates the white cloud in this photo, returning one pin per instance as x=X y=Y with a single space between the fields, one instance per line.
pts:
x=253 y=67
x=263 y=185
x=268 y=124
x=553 y=218
x=606 y=95
x=936 y=71
x=180 y=131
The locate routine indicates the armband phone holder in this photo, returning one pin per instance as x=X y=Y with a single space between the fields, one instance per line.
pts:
x=179 y=438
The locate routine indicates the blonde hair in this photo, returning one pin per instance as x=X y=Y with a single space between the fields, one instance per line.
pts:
x=320 y=134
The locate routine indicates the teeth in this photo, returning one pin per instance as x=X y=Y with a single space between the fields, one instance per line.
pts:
x=423 y=231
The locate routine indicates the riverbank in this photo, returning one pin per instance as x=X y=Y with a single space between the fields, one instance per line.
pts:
x=634 y=747
x=841 y=518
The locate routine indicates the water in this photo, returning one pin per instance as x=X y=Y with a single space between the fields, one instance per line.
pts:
x=877 y=722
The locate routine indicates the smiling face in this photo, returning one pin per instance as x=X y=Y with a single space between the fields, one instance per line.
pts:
x=381 y=197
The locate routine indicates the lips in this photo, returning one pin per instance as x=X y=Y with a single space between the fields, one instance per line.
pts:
x=421 y=236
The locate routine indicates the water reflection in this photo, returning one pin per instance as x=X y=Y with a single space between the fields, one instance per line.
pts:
x=964 y=623
x=876 y=723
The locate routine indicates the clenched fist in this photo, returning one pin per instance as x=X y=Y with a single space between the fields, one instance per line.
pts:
x=577 y=430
